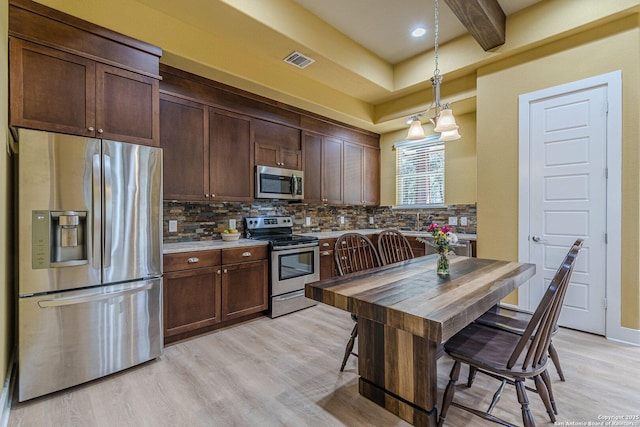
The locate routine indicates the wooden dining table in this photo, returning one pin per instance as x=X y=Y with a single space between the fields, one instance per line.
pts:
x=405 y=313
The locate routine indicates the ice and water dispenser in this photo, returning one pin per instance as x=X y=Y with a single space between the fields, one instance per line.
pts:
x=59 y=238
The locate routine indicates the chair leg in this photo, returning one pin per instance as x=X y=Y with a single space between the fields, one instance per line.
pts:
x=349 y=349
x=527 y=418
x=547 y=381
x=541 y=387
x=472 y=375
x=449 y=391
x=556 y=360
x=496 y=396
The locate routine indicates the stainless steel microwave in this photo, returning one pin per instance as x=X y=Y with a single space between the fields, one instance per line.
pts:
x=277 y=183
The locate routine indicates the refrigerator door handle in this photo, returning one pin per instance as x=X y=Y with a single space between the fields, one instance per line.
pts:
x=58 y=302
x=108 y=207
x=97 y=223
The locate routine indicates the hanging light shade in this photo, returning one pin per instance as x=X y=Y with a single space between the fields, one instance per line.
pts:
x=449 y=135
x=446 y=121
x=416 y=131
x=442 y=117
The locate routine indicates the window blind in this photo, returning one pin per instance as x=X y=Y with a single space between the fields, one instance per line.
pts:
x=420 y=173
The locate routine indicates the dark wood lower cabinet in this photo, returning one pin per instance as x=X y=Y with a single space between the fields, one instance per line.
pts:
x=327 y=262
x=205 y=290
x=419 y=248
x=191 y=300
x=244 y=289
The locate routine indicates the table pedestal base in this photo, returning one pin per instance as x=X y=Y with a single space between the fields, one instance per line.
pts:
x=398 y=371
x=400 y=407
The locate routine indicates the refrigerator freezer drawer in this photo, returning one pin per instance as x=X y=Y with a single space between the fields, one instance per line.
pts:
x=69 y=338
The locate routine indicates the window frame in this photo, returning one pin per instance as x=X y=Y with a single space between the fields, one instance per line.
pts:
x=430 y=141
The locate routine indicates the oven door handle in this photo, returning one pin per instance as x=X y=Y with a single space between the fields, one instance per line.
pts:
x=295 y=246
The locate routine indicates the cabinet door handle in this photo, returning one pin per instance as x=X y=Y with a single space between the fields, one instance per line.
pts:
x=325 y=253
x=193 y=260
x=225 y=271
x=206 y=195
x=219 y=272
x=90 y=129
x=100 y=131
x=213 y=195
x=246 y=254
x=325 y=244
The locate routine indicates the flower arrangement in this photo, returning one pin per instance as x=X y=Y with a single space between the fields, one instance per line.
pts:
x=442 y=238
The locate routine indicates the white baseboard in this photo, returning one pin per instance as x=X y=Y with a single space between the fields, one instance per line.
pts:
x=624 y=335
x=5 y=397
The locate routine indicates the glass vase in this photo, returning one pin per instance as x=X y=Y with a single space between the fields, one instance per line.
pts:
x=443 y=265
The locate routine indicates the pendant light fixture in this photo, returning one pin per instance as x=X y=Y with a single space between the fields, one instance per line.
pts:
x=442 y=118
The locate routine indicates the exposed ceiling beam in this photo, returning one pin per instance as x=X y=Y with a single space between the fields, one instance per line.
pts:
x=484 y=19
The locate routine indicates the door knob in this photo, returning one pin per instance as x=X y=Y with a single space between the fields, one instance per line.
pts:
x=537 y=239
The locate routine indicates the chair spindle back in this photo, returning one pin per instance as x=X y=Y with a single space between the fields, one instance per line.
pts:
x=355 y=252
x=537 y=335
x=393 y=247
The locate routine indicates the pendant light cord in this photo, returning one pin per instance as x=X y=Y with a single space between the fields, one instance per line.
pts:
x=436 y=72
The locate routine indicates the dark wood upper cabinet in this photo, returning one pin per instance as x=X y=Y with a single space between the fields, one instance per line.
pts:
x=340 y=163
x=312 y=167
x=332 y=171
x=361 y=175
x=70 y=76
x=127 y=106
x=371 y=176
x=184 y=138
x=230 y=153
x=277 y=145
x=50 y=89
x=353 y=174
x=322 y=169
x=207 y=153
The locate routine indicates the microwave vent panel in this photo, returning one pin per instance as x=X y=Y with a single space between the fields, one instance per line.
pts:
x=299 y=60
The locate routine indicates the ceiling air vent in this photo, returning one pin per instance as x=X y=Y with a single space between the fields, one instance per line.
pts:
x=299 y=60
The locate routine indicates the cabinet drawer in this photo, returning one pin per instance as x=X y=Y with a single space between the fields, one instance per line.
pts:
x=191 y=260
x=251 y=253
x=327 y=244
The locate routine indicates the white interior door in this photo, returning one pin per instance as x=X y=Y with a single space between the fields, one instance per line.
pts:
x=567 y=200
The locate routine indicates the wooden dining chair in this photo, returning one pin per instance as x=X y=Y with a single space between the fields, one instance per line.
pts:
x=510 y=357
x=354 y=252
x=393 y=247
x=514 y=320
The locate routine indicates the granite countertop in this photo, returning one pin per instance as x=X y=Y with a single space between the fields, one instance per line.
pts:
x=335 y=234
x=171 y=248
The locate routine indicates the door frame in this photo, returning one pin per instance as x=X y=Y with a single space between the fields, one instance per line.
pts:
x=613 y=83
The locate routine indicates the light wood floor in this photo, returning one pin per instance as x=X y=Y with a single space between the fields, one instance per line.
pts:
x=284 y=372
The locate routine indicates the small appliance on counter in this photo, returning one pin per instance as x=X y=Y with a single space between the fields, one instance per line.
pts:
x=89 y=259
x=294 y=261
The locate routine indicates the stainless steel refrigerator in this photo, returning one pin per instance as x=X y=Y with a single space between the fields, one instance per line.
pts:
x=89 y=259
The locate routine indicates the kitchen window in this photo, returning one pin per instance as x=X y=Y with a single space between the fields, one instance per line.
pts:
x=420 y=172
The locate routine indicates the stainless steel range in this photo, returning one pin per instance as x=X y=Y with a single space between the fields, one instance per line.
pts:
x=295 y=261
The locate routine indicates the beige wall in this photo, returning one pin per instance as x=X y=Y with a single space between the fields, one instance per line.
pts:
x=614 y=46
x=460 y=163
x=6 y=301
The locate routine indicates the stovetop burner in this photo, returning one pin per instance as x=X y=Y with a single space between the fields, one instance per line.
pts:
x=277 y=230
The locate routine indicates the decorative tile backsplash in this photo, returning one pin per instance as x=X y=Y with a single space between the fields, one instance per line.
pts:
x=205 y=221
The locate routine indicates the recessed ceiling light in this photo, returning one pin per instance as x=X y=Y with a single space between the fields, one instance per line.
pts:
x=418 y=32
